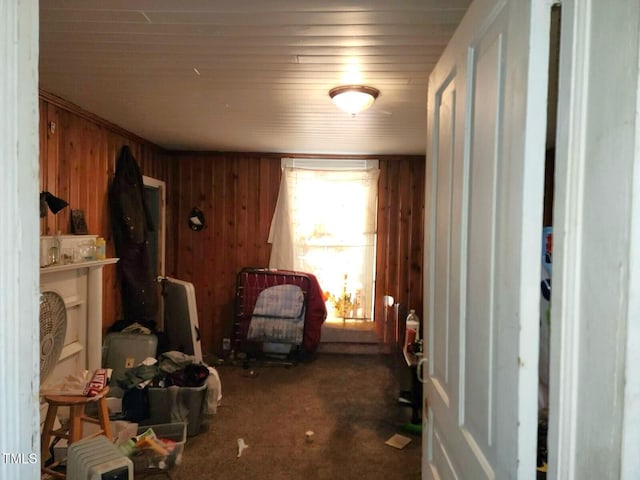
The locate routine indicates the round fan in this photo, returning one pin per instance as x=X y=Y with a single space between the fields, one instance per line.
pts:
x=53 y=328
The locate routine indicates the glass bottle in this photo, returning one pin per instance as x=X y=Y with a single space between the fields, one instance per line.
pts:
x=412 y=334
x=54 y=250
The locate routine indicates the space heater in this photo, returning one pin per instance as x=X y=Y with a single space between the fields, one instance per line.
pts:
x=97 y=459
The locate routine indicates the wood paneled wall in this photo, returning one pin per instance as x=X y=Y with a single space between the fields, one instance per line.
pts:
x=399 y=256
x=78 y=152
x=237 y=193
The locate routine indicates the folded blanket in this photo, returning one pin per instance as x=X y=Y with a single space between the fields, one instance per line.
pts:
x=280 y=301
x=278 y=315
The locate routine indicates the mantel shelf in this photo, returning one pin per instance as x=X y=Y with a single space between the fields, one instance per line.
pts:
x=77 y=265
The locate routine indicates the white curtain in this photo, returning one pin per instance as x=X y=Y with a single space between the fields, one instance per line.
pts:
x=281 y=231
x=325 y=224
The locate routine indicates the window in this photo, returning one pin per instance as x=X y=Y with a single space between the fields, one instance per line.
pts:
x=325 y=224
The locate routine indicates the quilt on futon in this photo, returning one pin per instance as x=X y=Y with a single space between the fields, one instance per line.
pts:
x=278 y=315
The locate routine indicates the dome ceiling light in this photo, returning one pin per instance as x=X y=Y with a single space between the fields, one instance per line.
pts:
x=353 y=99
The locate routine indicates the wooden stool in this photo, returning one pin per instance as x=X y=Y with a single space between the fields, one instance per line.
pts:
x=76 y=404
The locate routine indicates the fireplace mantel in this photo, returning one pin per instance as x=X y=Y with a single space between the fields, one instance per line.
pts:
x=80 y=286
x=78 y=265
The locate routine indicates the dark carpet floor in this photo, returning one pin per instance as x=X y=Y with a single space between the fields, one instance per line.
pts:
x=348 y=401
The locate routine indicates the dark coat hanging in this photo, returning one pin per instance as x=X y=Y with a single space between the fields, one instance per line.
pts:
x=130 y=223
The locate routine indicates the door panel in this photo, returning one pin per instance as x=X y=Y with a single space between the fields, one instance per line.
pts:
x=484 y=203
x=444 y=177
x=479 y=323
x=442 y=459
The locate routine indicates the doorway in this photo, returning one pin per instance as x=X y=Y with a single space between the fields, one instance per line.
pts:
x=155 y=197
x=547 y=246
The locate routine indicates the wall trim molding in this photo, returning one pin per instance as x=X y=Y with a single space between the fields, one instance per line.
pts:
x=92 y=117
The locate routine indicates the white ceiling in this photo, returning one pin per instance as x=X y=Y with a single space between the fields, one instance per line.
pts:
x=249 y=75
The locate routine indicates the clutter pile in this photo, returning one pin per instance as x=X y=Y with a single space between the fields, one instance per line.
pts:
x=159 y=377
x=157 y=447
x=164 y=400
x=163 y=392
x=87 y=383
x=178 y=388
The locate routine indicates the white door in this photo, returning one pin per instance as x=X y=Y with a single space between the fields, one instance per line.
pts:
x=484 y=198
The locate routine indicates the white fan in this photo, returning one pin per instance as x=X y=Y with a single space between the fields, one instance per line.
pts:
x=53 y=328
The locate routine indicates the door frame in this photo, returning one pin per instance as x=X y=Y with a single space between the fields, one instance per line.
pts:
x=162 y=228
x=595 y=127
x=19 y=275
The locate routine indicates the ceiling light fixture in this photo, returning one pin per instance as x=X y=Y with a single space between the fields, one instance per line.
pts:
x=353 y=99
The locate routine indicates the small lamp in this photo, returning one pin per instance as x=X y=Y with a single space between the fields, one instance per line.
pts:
x=54 y=203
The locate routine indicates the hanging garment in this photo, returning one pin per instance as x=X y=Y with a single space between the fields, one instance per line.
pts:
x=130 y=223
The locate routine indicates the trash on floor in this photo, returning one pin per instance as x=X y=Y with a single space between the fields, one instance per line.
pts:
x=241 y=446
x=398 y=441
x=309 y=436
x=415 y=428
x=249 y=373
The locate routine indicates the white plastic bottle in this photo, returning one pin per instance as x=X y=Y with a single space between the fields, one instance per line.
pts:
x=412 y=328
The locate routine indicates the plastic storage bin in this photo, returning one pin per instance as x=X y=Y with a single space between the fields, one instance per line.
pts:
x=121 y=351
x=176 y=432
x=178 y=404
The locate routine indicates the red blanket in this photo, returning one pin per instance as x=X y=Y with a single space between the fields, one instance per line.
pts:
x=315 y=317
